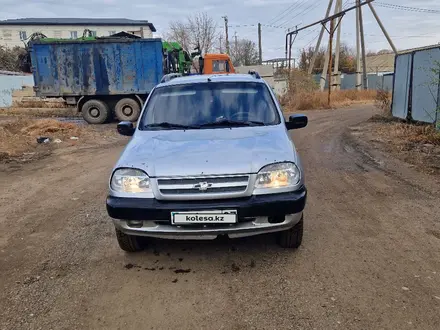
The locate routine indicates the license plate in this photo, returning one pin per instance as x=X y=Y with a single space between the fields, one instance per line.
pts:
x=204 y=217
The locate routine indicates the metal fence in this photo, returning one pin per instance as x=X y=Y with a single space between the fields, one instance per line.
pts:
x=375 y=81
x=417 y=85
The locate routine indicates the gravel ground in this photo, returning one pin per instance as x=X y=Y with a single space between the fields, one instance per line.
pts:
x=370 y=258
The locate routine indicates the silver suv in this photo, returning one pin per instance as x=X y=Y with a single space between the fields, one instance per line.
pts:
x=209 y=156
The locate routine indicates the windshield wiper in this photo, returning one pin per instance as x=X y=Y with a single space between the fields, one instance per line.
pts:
x=227 y=122
x=169 y=125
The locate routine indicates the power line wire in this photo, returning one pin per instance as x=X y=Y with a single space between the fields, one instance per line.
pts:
x=311 y=41
x=283 y=12
x=311 y=32
x=254 y=25
x=407 y=8
x=305 y=11
x=286 y=13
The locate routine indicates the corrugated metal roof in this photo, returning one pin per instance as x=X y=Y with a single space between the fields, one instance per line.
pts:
x=380 y=63
x=411 y=50
x=77 y=21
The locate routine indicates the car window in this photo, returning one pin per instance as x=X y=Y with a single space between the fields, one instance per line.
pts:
x=202 y=103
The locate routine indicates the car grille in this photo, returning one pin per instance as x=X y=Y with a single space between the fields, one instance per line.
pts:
x=203 y=185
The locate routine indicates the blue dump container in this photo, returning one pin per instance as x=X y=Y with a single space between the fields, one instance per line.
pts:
x=105 y=71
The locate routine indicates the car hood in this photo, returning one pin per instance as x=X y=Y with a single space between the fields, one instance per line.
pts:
x=218 y=151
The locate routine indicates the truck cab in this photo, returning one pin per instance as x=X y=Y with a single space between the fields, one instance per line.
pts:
x=217 y=64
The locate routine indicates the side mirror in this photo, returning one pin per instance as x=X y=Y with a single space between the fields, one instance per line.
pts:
x=297 y=121
x=126 y=128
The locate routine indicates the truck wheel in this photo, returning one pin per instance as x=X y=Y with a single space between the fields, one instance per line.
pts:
x=95 y=112
x=292 y=238
x=127 y=110
x=129 y=243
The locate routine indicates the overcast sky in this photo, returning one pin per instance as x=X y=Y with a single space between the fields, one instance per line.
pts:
x=408 y=29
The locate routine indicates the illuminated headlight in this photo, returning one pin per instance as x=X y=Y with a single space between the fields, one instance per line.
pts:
x=282 y=175
x=129 y=180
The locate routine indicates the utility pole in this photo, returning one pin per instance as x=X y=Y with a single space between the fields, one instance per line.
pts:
x=324 y=21
x=325 y=70
x=358 y=49
x=260 y=50
x=290 y=54
x=236 y=48
x=318 y=43
x=383 y=28
x=364 y=60
x=338 y=47
x=226 y=34
x=330 y=47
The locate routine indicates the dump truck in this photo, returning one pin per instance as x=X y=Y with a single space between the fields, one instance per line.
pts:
x=107 y=77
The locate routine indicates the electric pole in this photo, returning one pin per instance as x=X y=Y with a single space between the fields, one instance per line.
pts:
x=358 y=49
x=260 y=50
x=327 y=60
x=338 y=47
x=385 y=33
x=318 y=43
x=236 y=47
x=364 y=60
x=360 y=42
x=330 y=47
x=226 y=34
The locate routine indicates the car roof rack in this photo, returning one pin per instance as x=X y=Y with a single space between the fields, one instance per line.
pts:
x=255 y=74
x=170 y=76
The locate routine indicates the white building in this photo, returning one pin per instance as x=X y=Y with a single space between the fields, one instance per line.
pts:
x=14 y=32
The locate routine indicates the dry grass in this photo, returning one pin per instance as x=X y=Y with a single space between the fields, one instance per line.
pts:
x=416 y=144
x=383 y=102
x=304 y=94
x=39 y=112
x=47 y=127
x=319 y=100
x=406 y=134
x=18 y=137
x=32 y=103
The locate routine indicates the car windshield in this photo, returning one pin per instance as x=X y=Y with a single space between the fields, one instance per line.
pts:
x=210 y=105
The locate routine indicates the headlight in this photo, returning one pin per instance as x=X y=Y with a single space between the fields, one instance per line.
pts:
x=282 y=175
x=130 y=180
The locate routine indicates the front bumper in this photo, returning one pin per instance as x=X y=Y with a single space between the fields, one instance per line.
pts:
x=256 y=215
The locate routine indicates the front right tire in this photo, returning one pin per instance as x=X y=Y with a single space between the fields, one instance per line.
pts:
x=129 y=243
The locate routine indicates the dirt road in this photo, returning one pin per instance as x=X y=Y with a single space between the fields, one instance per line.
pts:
x=370 y=257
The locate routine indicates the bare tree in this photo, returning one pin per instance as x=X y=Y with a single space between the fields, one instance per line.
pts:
x=347 y=63
x=180 y=33
x=196 y=30
x=244 y=52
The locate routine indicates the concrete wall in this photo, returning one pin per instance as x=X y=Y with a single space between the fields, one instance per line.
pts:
x=263 y=70
x=10 y=35
x=279 y=86
x=8 y=84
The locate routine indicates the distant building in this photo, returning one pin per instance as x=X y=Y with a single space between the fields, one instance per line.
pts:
x=14 y=32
